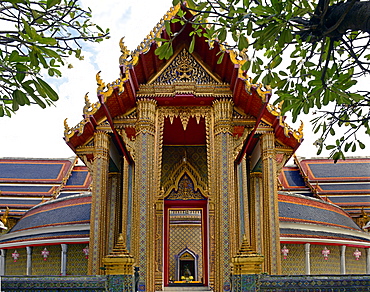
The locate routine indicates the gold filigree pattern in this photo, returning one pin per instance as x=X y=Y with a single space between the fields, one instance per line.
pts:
x=276 y=111
x=184 y=113
x=166 y=90
x=184 y=68
x=185 y=190
x=179 y=170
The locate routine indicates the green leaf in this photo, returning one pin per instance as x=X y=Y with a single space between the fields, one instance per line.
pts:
x=191 y=4
x=19 y=97
x=51 y=3
x=362 y=145
x=48 y=90
x=192 y=43
x=246 y=65
x=329 y=147
x=219 y=61
x=243 y=43
x=15 y=105
x=31 y=92
x=48 y=41
x=222 y=35
x=167 y=25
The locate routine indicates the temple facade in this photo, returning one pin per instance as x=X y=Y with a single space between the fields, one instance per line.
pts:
x=184 y=155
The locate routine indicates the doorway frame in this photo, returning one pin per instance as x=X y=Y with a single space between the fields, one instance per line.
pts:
x=186 y=204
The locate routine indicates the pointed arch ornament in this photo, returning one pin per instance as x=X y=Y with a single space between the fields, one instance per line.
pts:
x=185 y=183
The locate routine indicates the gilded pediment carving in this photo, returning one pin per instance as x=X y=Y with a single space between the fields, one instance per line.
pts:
x=185 y=74
x=185 y=68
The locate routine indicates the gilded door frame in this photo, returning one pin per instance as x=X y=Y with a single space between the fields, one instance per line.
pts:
x=186 y=204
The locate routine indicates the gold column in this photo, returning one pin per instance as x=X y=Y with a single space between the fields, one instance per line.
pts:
x=143 y=197
x=98 y=217
x=212 y=244
x=270 y=225
x=114 y=212
x=246 y=207
x=256 y=211
x=225 y=224
x=158 y=245
x=124 y=199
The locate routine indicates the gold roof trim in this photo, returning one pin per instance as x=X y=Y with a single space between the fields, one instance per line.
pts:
x=109 y=87
x=79 y=128
x=89 y=108
x=128 y=58
x=276 y=111
x=169 y=90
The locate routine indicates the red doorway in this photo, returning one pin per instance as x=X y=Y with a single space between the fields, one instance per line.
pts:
x=189 y=205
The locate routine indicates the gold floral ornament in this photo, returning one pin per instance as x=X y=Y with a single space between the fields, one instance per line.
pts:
x=107 y=90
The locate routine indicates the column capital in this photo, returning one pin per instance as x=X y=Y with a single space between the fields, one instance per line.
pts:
x=223 y=113
x=146 y=109
x=101 y=145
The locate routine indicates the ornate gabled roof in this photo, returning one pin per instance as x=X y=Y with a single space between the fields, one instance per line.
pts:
x=143 y=74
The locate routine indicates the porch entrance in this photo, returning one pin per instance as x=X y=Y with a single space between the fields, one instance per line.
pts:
x=185 y=243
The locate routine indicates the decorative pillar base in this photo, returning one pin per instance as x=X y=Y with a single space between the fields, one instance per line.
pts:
x=246 y=261
x=119 y=261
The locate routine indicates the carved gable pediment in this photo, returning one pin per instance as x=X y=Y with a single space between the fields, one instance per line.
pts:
x=184 y=68
x=185 y=74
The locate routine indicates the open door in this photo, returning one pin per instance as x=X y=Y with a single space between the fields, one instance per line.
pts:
x=185 y=242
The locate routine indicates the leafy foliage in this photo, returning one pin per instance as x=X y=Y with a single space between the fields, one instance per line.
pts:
x=36 y=37
x=314 y=55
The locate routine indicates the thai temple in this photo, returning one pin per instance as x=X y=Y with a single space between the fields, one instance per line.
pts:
x=184 y=183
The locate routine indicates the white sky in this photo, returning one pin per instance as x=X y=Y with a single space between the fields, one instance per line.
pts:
x=34 y=132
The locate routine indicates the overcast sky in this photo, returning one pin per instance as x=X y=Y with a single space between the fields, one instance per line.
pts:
x=38 y=133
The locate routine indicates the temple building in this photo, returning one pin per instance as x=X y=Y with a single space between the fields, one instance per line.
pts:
x=188 y=185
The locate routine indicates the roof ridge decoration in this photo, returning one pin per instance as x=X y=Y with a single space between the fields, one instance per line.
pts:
x=128 y=59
